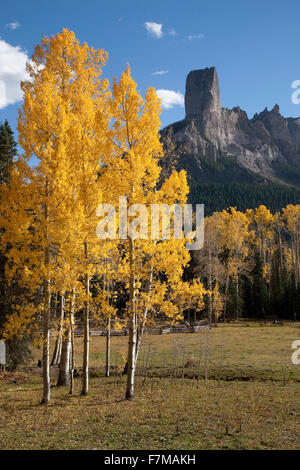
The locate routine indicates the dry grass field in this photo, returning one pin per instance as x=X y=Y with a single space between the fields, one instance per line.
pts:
x=234 y=387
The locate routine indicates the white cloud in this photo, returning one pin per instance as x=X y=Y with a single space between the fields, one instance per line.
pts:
x=12 y=71
x=191 y=37
x=13 y=25
x=170 y=98
x=160 y=72
x=154 y=29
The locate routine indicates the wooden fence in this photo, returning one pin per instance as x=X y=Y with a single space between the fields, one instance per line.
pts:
x=153 y=331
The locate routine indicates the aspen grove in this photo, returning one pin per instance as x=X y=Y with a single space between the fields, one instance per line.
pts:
x=86 y=143
x=90 y=145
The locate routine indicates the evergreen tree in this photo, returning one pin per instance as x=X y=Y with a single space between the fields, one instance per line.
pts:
x=8 y=150
x=17 y=348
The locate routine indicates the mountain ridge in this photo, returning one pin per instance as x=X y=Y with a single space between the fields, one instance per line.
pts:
x=212 y=131
x=218 y=145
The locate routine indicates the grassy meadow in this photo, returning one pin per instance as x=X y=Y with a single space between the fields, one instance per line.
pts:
x=233 y=387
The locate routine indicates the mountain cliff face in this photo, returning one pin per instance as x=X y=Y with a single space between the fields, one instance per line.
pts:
x=223 y=145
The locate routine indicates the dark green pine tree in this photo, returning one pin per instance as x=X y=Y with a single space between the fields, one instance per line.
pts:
x=8 y=150
x=7 y=153
x=17 y=348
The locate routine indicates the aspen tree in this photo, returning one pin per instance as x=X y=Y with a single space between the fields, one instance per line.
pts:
x=263 y=222
x=88 y=148
x=62 y=125
x=291 y=216
x=232 y=229
x=208 y=263
x=136 y=149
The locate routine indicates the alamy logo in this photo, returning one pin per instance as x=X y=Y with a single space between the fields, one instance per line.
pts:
x=296 y=94
x=296 y=353
x=157 y=222
x=2 y=94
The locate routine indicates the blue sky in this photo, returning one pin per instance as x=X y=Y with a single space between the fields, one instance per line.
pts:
x=255 y=45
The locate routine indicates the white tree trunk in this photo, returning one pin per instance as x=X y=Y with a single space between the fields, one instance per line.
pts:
x=86 y=334
x=140 y=331
x=64 y=366
x=46 y=344
x=108 y=337
x=132 y=329
x=72 y=360
x=58 y=343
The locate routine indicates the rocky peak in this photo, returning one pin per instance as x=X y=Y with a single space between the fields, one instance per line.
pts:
x=202 y=94
x=261 y=144
x=275 y=110
x=276 y=124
